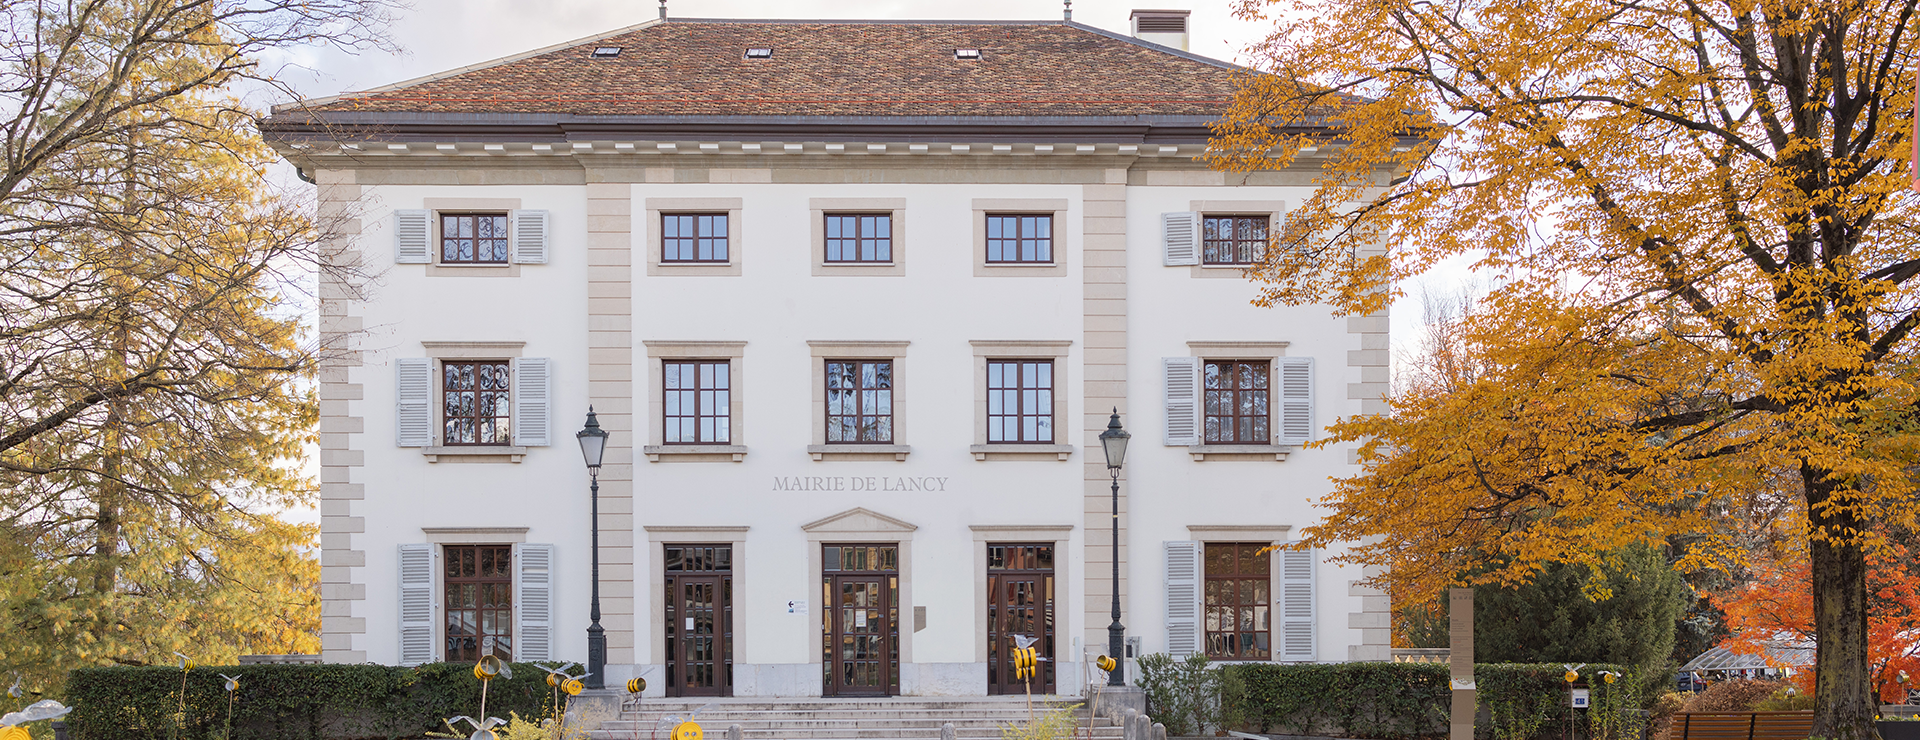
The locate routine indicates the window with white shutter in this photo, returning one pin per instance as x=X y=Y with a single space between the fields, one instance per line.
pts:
x=412 y=396
x=1182 y=401
x=416 y=604
x=533 y=595
x=412 y=230
x=1296 y=399
x=530 y=237
x=1296 y=605
x=1180 y=235
x=532 y=408
x=1183 y=597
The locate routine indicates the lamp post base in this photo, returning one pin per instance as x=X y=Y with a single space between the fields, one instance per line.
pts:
x=596 y=656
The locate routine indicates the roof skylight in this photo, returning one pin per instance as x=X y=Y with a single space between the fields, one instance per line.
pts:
x=759 y=52
x=966 y=53
x=603 y=52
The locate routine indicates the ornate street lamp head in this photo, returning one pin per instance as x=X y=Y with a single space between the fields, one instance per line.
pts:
x=1114 y=442
x=593 y=442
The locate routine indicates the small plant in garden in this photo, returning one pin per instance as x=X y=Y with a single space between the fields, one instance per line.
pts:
x=1183 y=695
x=1056 y=724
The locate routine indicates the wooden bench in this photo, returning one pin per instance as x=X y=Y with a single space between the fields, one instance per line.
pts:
x=1741 y=726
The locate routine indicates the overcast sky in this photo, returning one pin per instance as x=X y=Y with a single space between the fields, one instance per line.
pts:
x=441 y=35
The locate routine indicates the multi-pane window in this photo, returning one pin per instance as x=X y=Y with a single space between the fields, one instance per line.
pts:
x=859 y=237
x=475 y=403
x=1236 y=402
x=479 y=605
x=1019 y=238
x=1237 y=601
x=860 y=401
x=693 y=237
x=697 y=401
x=1233 y=240
x=473 y=238
x=1020 y=401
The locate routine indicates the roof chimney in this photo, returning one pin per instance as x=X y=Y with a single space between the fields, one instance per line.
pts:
x=663 y=10
x=1163 y=27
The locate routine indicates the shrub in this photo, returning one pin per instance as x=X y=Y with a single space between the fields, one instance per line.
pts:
x=1734 y=695
x=310 y=702
x=1185 y=696
x=1407 y=700
x=1786 y=699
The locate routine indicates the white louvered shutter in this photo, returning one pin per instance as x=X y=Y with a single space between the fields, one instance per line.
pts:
x=412 y=230
x=532 y=409
x=1180 y=234
x=412 y=410
x=1183 y=401
x=530 y=232
x=1296 y=400
x=1183 y=598
x=533 y=596
x=1296 y=605
x=416 y=604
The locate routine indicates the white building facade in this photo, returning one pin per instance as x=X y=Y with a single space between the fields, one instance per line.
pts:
x=853 y=344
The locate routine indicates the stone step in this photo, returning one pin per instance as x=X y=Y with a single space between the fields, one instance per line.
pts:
x=865 y=718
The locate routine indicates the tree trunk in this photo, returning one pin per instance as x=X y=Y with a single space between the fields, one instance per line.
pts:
x=1843 y=694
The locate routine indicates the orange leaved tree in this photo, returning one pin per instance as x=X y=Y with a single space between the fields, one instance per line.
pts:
x=1777 y=607
x=1706 y=249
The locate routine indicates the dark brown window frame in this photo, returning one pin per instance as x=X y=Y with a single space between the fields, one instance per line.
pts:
x=504 y=243
x=1020 y=236
x=667 y=432
x=882 y=238
x=503 y=413
x=1260 y=430
x=860 y=413
x=1246 y=593
x=692 y=242
x=1019 y=391
x=1243 y=250
x=452 y=557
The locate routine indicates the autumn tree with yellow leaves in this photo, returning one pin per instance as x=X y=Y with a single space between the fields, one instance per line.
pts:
x=152 y=415
x=1705 y=246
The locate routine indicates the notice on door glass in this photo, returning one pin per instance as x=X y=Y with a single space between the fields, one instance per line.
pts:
x=689 y=623
x=860 y=620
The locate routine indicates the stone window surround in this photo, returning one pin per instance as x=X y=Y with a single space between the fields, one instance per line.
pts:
x=1058 y=534
x=436 y=205
x=818 y=208
x=658 y=537
x=1271 y=352
x=822 y=351
x=1275 y=209
x=1055 y=206
x=439 y=351
x=440 y=536
x=1269 y=533
x=1020 y=349
x=656 y=448
x=657 y=206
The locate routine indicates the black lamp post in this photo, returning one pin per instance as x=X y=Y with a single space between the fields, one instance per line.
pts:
x=593 y=446
x=1114 y=443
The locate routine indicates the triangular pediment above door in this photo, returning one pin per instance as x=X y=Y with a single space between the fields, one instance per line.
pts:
x=859 y=520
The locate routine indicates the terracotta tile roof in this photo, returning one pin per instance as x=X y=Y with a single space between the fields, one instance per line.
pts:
x=680 y=68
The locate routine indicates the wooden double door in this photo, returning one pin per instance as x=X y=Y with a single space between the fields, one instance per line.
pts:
x=1020 y=597
x=860 y=603
x=699 y=616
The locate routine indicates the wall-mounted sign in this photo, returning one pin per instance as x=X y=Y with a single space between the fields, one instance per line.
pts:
x=797 y=606
x=904 y=484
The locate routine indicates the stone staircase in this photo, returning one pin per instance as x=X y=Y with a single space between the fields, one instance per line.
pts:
x=973 y=718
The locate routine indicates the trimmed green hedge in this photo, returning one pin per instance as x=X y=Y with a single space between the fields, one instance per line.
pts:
x=1412 y=700
x=309 y=702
